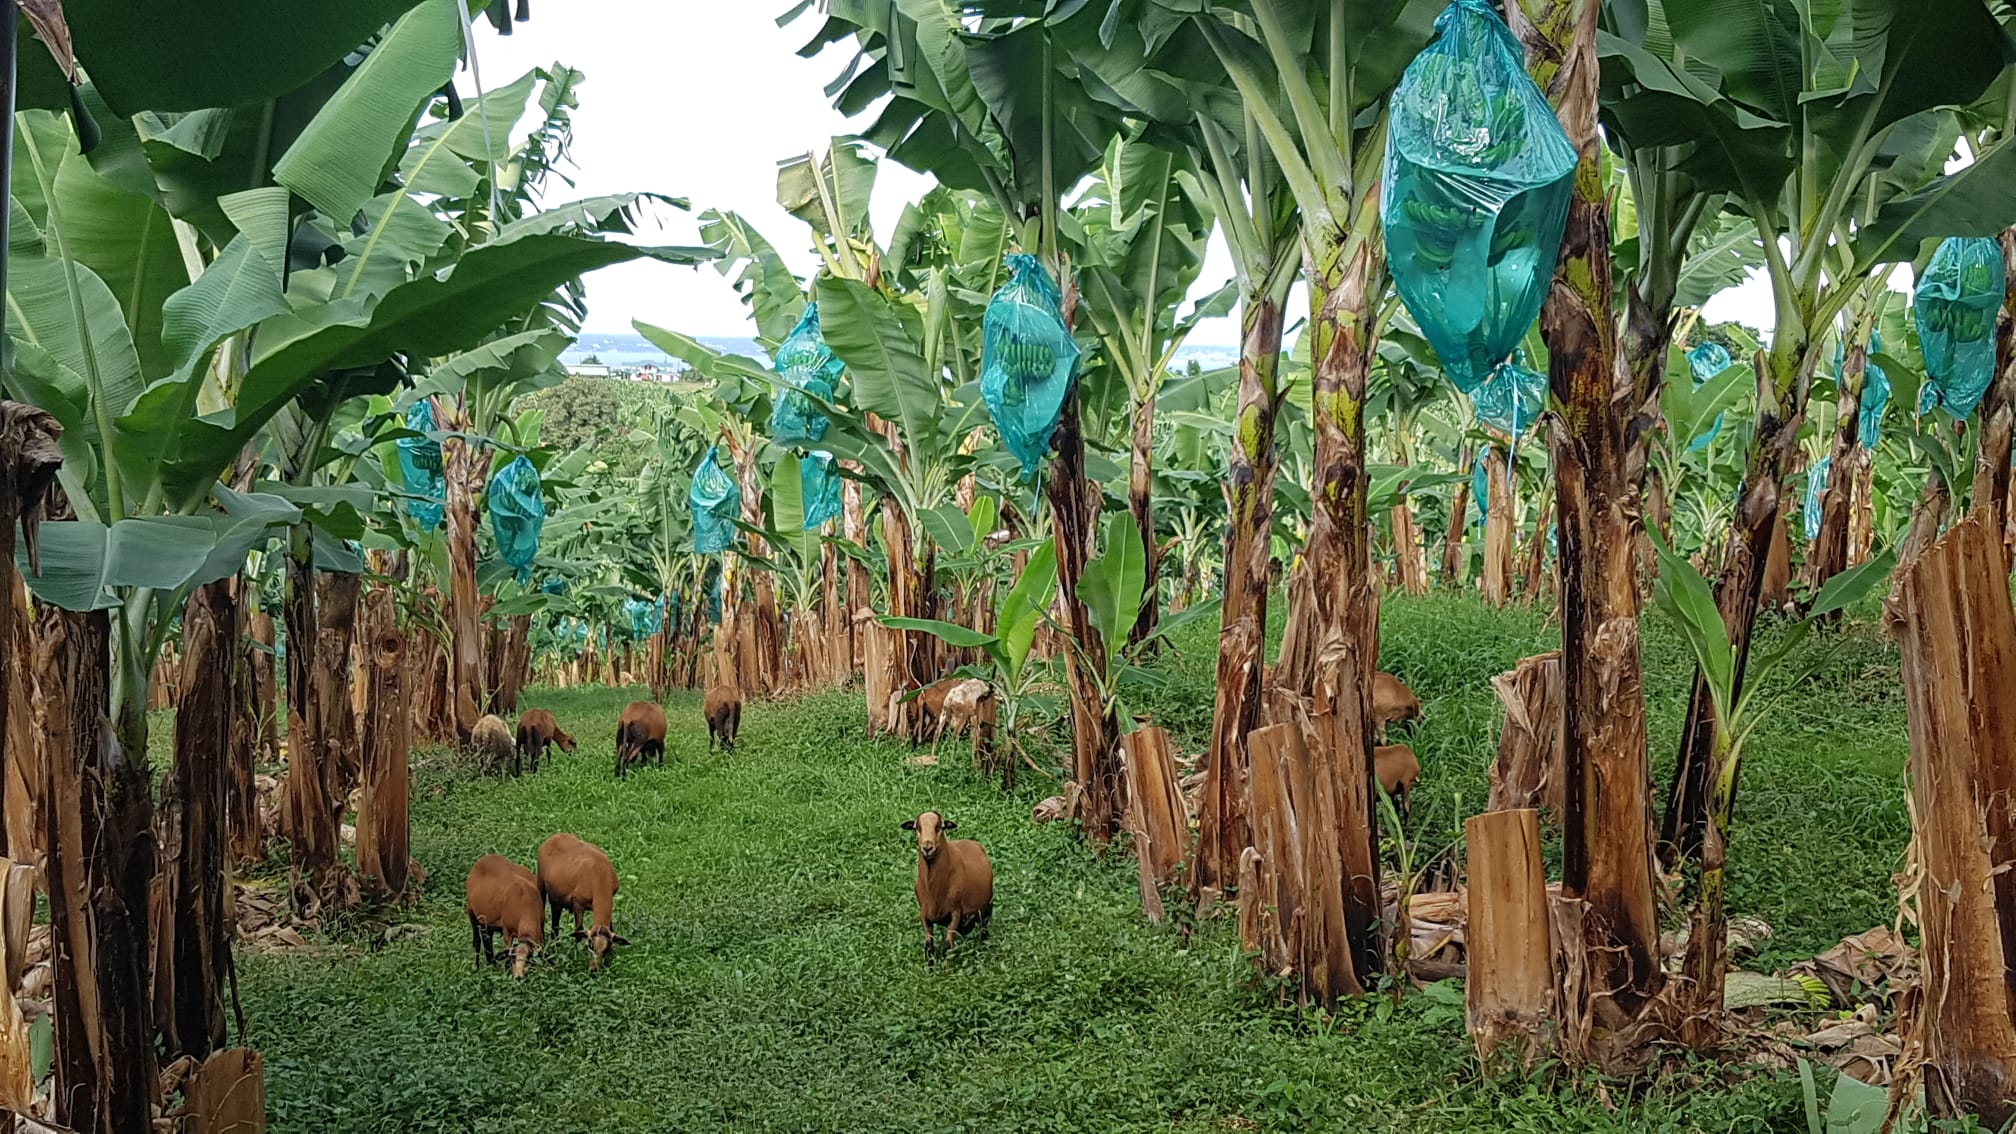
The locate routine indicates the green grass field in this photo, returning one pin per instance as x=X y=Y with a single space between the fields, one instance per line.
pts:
x=777 y=981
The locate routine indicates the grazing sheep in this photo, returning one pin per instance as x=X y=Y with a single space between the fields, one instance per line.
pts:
x=1392 y=701
x=502 y=895
x=926 y=708
x=955 y=882
x=493 y=744
x=1397 y=769
x=640 y=733
x=538 y=732
x=577 y=876
x=724 y=716
x=961 y=710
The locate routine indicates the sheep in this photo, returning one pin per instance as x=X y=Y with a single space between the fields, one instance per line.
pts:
x=1397 y=769
x=493 y=744
x=640 y=733
x=538 y=732
x=723 y=710
x=955 y=882
x=1392 y=701
x=960 y=710
x=576 y=875
x=928 y=706
x=502 y=895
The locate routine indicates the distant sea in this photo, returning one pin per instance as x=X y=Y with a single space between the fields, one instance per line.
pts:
x=635 y=350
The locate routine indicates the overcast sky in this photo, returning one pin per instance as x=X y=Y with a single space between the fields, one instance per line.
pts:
x=701 y=99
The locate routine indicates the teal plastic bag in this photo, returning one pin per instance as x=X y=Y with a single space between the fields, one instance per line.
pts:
x=810 y=373
x=819 y=483
x=420 y=467
x=554 y=586
x=1704 y=362
x=1477 y=181
x=1028 y=360
x=646 y=617
x=716 y=501
x=1875 y=391
x=1816 y=489
x=1480 y=492
x=1511 y=398
x=1954 y=307
x=517 y=513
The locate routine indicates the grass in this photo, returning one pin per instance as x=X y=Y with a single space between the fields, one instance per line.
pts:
x=777 y=981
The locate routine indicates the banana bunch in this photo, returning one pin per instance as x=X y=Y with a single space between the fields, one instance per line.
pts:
x=1965 y=323
x=1024 y=363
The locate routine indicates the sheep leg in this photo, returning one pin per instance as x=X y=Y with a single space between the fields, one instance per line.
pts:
x=476 y=940
x=553 y=904
x=951 y=933
x=930 y=942
x=660 y=746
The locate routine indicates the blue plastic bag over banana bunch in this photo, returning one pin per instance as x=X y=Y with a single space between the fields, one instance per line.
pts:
x=716 y=500
x=1875 y=397
x=1480 y=492
x=1477 y=181
x=1954 y=306
x=1816 y=490
x=646 y=617
x=810 y=373
x=1705 y=362
x=1028 y=360
x=553 y=586
x=819 y=483
x=517 y=513
x=420 y=467
x=1511 y=398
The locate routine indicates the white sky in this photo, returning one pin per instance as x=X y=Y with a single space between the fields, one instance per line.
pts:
x=701 y=99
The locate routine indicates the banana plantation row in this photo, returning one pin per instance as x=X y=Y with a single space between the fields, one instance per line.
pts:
x=281 y=335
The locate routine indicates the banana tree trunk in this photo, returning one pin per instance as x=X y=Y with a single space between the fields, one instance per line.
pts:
x=99 y=875
x=463 y=465
x=1998 y=409
x=28 y=437
x=1141 y=501
x=309 y=818
x=1223 y=832
x=854 y=528
x=195 y=861
x=384 y=827
x=1342 y=612
x=1828 y=556
x=1455 y=564
x=1499 y=529
x=1956 y=634
x=1608 y=913
x=1095 y=730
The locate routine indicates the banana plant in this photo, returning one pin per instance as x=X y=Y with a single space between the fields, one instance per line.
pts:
x=1826 y=128
x=159 y=396
x=1741 y=705
x=1007 y=672
x=1144 y=221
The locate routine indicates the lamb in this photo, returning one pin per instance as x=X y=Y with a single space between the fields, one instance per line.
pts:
x=493 y=745
x=928 y=708
x=502 y=895
x=1397 y=769
x=1392 y=701
x=538 y=732
x=640 y=733
x=723 y=710
x=955 y=882
x=961 y=710
x=576 y=875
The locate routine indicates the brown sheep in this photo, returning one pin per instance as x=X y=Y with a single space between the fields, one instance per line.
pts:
x=494 y=746
x=724 y=716
x=502 y=895
x=1397 y=769
x=928 y=706
x=955 y=882
x=538 y=732
x=640 y=733
x=577 y=876
x=1392 y=701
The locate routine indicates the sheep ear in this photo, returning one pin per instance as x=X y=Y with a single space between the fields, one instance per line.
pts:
x=909 y=824
x=618 y=939
x=580 y=935
x=948 y=825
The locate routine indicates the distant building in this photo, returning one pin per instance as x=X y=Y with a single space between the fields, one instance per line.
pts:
x=587 y=370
